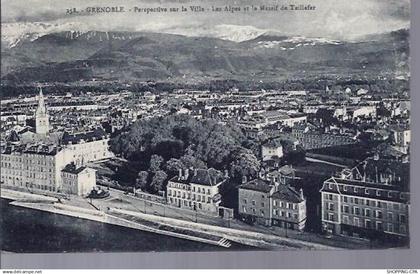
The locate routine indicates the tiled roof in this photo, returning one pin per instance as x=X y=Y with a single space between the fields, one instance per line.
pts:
x=286 y=193
x=257 y=185
x=205 y=177
x=89 y=136
x=71 y=168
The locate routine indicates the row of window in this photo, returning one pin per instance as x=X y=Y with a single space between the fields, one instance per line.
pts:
x=367 y=202
x=390 y=227
x=367 y=191
x=275 y=203
x=180 y=203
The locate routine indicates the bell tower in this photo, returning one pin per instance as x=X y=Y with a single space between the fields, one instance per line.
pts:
x=42 y=123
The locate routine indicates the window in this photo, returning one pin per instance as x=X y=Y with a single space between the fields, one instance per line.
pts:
x=378 y=193
x=378 y=214
x=262 y=212
x=367 y=212
x=345 y=199
x=346 y=209
x=244 y=209
x=275 y=212
x=356 y=221
x=379 y=226
x=275 y=203
x=357 y=211
x=366 y=191
x=330 y=217
x=330 y=206
x=345 y=219
x=330 y=197
x=403 y=219
x=390 y=216
x=345 y=188
x=253 y=202
x=368 y=223
x=330 y=186
x=390 y=228
x=356 y=201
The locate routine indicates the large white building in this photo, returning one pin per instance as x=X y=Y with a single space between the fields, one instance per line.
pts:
x=196 y=189
x=34 y=166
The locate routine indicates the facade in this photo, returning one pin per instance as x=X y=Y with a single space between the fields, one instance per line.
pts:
x=370 y=199
x=78 y=180
x=401 y=136
x=272 y=203
x=87 y=146
x=34 y=166
x=196 y=189
x=272 y=150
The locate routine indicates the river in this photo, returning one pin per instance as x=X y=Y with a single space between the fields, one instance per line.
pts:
x=25 y=230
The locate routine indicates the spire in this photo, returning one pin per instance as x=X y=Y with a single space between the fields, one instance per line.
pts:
x=41 y=115
x=41 y=109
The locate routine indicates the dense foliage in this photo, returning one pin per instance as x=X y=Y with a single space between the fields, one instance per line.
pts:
x=163 y=145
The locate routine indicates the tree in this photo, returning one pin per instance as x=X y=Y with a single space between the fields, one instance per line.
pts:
x=158 y=181
x=173 y=165
x=155 y=163
x=141 y=181
x=244 y=163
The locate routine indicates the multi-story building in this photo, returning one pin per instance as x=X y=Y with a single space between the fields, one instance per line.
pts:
x=371 y=198
x=78 y=180
x=45 y=168
x=272 y=149
x=34 y=166
x=272 y=203
x=196 y=189
x=87 y=146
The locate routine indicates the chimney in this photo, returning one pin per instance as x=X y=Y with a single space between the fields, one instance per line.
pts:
x=186 y=174
x=301 y=194
x=244 y=179
x=376 y=156
x=180 y=174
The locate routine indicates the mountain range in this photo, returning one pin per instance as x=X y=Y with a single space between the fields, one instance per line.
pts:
x=70 y=56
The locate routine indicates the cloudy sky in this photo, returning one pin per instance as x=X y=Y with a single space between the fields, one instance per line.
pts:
x=334 y=19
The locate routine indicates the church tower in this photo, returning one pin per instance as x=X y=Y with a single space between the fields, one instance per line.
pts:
x=42 y=123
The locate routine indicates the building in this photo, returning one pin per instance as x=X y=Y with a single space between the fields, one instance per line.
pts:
x=34 y=166
x=254 y=201
x=196 y=189
x=42 y=124
x=272 y=149
x=87 y=146
x=401 y=135
x=78 y=180
x=370 y=199
x=272 y=203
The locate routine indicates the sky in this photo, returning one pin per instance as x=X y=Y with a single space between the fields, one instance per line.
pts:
x=334 y=19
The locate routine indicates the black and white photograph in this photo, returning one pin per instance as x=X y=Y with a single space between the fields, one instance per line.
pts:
x=198 y=126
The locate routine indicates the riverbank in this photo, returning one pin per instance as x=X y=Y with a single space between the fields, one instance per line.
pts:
x=221 y=236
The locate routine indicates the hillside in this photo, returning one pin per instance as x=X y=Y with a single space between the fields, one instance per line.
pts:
x=124 y=56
